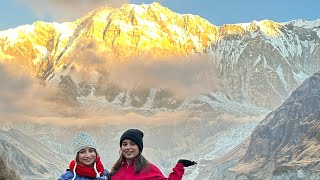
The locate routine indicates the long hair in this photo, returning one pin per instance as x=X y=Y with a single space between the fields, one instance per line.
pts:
x=77 y=157
x=140 y=163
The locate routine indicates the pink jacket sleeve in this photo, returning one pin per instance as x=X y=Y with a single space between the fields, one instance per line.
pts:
x=177 y=172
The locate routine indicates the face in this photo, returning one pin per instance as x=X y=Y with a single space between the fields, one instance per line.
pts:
x=129 y=149
x=87 y=156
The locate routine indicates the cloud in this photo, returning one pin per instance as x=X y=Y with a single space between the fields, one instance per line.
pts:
x=24 y=100
x=21 y=93
x=91 y=118
x=183 y=76
x=70 y=10
x=25 y=103
x=88 y=54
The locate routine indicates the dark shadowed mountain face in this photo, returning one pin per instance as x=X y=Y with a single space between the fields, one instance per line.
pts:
x=287 y=142
x=6 y=172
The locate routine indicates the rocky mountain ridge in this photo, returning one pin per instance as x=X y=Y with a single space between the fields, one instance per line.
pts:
x=6 y=172
x=285 y=145
x=265 y=65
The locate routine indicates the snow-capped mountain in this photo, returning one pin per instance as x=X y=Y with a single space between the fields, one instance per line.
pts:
x=120 y=61
x=114 y=34
x=259 y=63
x=263 y=62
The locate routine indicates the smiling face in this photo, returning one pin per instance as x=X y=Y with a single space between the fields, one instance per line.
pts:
x=87 y=156
x=129 y=149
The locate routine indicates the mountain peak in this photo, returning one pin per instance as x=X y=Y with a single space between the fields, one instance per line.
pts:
x=268 y=27
x=148 y=29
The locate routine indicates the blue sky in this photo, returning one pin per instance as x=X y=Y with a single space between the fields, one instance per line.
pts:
x=19 y=12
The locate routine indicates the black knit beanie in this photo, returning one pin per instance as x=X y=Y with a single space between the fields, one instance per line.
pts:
x=134 y=135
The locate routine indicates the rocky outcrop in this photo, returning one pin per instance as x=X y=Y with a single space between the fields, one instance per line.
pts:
x=29 y=158
x=6 y=172
x=286 y=144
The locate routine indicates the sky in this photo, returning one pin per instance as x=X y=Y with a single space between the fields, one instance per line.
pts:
x=14 y=13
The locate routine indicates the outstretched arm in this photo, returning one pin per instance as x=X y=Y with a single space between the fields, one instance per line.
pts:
x=178 y=170
x=176 y=174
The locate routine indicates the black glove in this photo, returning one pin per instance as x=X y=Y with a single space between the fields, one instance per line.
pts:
x=186 y=163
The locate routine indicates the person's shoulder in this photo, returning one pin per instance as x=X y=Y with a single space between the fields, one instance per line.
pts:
x=153 y=167
x=66 y=175
x=154 y=171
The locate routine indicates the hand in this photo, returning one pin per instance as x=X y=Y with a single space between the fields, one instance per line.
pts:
x=186 y=163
